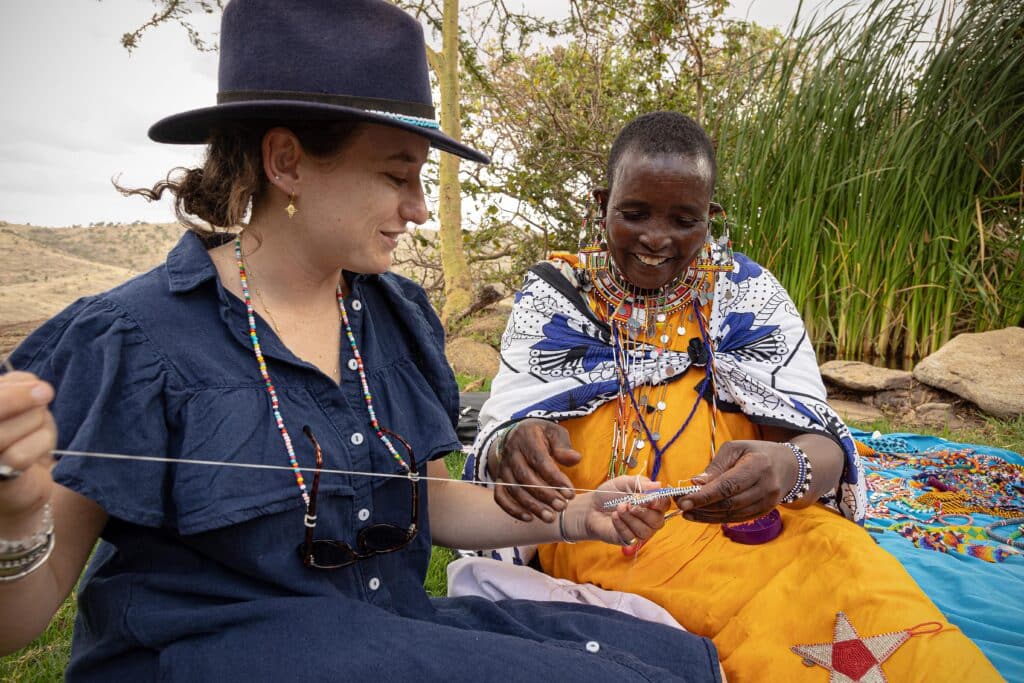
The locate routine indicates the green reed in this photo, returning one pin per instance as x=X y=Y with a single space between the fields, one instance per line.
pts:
x=879 y=173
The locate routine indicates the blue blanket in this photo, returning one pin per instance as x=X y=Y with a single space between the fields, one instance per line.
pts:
x=951 y=557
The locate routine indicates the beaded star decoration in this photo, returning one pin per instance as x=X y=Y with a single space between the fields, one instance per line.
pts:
x=852 y=659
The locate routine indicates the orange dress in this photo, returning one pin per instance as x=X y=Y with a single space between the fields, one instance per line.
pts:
x=756 y=601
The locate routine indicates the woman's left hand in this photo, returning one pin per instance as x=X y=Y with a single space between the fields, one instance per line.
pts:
x=586 y=519
x=745 y=480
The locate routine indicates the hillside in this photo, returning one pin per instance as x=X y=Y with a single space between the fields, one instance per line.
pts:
x=42 y=270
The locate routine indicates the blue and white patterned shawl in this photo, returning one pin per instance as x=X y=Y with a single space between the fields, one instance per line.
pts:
x=557 y=363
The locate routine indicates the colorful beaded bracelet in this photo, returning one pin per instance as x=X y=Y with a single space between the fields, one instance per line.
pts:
x=1014 y=538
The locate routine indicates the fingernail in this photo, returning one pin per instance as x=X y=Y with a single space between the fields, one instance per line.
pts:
x=41 y=393
x=525 y=518
x=686 y=505
x=558 y=504
x=548 y=516
x=568 y=493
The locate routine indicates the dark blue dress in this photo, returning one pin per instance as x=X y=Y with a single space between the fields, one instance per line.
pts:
x=198 y=575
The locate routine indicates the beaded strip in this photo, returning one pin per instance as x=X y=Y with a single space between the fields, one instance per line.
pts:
x=649 y=496
x=275 y=404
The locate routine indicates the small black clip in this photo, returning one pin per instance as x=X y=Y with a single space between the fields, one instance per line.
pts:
x=698 y=352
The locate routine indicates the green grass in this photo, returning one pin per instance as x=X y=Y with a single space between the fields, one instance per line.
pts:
x=45 y=659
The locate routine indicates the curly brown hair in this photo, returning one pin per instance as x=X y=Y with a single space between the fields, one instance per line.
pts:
x=216 y=196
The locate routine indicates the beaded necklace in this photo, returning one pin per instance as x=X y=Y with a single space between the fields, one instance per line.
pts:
x=272 y=392
x=628 y=438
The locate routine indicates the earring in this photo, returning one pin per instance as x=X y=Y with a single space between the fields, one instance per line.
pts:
x=290 y=209
x=593 y=247
x=717 y=256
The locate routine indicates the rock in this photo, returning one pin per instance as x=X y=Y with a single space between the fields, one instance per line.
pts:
x=469 y=357
x=986 y=368
x=937 y=414
x=488 y=326
x=859 y=376
x=890 y=400
x=855 y=411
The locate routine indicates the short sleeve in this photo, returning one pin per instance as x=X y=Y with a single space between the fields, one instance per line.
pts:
x=111 y=392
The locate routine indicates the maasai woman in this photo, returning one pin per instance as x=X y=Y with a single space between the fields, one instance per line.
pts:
x=656 y=351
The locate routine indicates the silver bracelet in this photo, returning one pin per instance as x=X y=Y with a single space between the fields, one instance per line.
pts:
x=803 y=476
x=561 y=527
x=13 y=570
x=13 y=550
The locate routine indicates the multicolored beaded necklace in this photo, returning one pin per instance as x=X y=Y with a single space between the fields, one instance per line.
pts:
x=275 y=404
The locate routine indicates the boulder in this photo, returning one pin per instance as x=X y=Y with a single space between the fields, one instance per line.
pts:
x=937 y=414
x=855 y=411
x=469 y=357
x=986 y=368
x=859 y=376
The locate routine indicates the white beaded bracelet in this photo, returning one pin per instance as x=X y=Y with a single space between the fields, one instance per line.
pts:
x=803 y=476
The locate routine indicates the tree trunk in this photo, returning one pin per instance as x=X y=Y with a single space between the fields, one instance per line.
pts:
x=458 y=284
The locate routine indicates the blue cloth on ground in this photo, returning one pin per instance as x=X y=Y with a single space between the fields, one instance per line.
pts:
x=985 y=600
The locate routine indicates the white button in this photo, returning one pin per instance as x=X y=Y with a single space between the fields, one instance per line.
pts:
x=364 y=515
x=353 y=364
x=357 y=305
x=375 y=584
x=357 y=438
x=593 y=646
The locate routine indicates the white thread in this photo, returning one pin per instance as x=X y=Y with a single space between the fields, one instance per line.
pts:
x=257 y=466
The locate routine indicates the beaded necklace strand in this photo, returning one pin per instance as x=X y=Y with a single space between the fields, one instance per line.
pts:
x=272 y=391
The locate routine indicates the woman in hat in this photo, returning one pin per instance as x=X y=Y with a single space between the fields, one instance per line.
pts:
x=247 y=428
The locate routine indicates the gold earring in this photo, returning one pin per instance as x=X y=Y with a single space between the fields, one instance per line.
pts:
x=290 y=209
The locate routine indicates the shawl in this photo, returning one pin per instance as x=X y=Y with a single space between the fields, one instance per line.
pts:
x=557 y=362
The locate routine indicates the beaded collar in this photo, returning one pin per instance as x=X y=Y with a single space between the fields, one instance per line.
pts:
x=631 y=305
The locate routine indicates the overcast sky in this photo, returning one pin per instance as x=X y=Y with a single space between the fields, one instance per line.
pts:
x=76 y=105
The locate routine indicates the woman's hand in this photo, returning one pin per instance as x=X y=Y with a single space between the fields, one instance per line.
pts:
x=28 y=436
x=586 y=518
x=744 y=481
x=530 y=455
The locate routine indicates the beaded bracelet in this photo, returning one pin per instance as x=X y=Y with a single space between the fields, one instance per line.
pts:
x=561 y=527
x=1014 y=538
x=803 y=476
x=18 y=548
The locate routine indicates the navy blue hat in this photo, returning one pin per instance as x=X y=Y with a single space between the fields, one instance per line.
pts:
x=318 y=59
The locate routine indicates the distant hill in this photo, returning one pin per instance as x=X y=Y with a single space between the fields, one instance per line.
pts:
x=42 y=270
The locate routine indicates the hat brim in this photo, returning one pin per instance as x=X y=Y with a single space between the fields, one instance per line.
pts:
x=193 y=127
